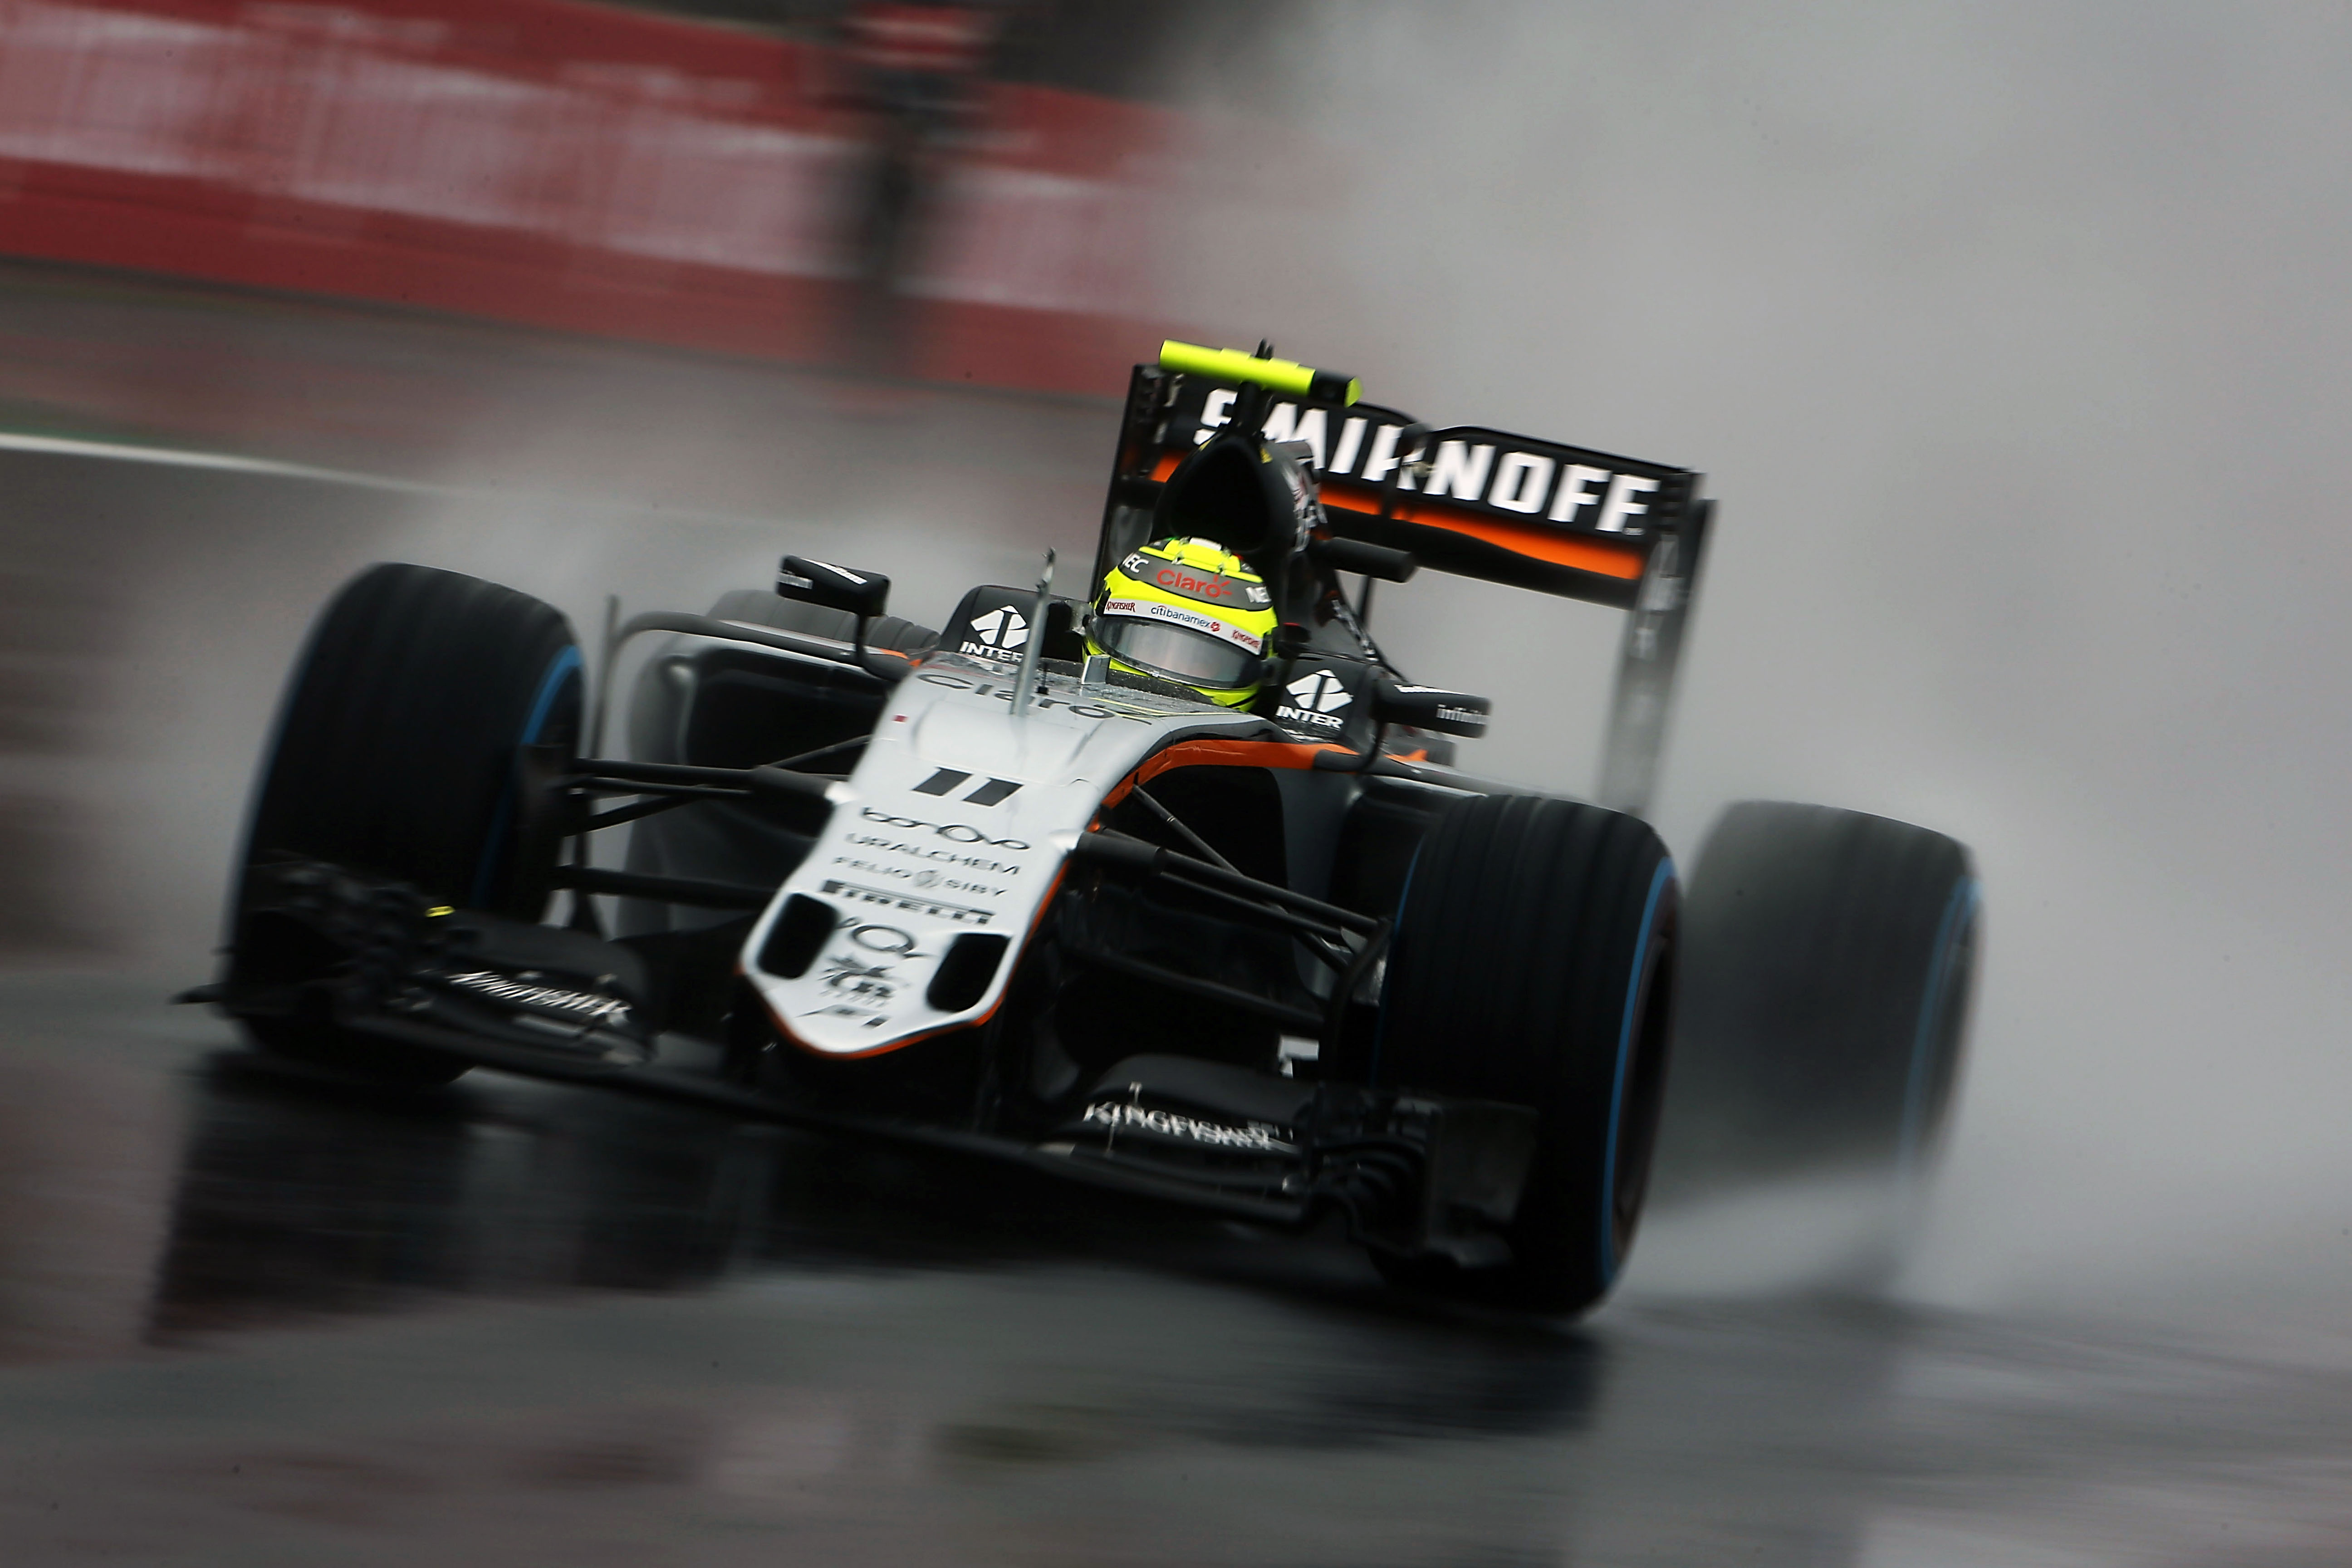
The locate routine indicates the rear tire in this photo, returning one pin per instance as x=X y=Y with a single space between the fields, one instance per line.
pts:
x=394 y=755
x=1828 y=962
x=1534 y=964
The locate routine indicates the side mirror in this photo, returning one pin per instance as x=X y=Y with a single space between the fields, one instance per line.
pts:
x=1427 y=707
x=1366 y=560
x=861 y=594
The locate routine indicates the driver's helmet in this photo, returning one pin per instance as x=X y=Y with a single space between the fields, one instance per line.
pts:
x=1188 y=611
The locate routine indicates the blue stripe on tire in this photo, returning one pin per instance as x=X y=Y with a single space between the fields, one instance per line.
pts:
x=566 y=663
x=1608 y=1227
x=1960 y=906
x=550 y=685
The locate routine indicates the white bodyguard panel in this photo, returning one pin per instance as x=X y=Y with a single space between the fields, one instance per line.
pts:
x=956 y=820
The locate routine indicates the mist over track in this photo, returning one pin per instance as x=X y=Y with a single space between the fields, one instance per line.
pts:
x=2014 y=342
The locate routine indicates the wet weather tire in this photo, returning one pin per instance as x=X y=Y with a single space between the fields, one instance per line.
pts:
x=1534 y=964
x=1829 y=958
x=394 y=755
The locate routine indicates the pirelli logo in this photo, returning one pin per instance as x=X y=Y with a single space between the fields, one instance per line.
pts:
x=906 y=903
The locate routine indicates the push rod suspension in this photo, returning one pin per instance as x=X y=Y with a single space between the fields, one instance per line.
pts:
x=1117 y=851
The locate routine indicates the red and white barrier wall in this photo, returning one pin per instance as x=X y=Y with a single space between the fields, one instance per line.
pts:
x=569 y=166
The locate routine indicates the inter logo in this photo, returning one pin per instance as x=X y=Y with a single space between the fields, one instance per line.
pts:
x=999 y=634
x=1319 y=692
x=1319 y=699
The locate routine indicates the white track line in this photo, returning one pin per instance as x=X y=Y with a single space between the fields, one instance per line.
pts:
x=231 y=463
x=219 y=462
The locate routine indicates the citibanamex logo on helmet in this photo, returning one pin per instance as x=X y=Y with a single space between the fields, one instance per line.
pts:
x=953 y=832
x=1317 y=698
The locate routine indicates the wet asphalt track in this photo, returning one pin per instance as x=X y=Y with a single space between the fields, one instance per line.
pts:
x=250 y=1319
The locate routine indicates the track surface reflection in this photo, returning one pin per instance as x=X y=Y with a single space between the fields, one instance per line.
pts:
x=257 y=1318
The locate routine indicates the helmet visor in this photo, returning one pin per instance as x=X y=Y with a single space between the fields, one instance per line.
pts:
x=1178 y=653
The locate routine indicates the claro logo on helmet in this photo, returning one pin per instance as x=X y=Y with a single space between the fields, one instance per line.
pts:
x=1185 y=582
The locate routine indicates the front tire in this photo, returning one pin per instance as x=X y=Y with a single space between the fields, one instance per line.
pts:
x=1534 y=964
x=394 y=755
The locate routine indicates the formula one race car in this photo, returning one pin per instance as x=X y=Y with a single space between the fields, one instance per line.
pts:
x=1173 y=886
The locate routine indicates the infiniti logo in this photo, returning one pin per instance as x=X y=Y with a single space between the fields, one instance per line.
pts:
x=953 y=832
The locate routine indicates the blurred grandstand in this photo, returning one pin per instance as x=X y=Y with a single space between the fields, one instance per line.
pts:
x=641 y=173
x=1153 y=51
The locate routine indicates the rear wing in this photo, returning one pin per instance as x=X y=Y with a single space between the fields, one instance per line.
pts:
x=1465 y=499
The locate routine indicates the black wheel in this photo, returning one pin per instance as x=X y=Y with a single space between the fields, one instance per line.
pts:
x=761 y=608
x=394 y=755
x=1829 y=961
x=1534 y=964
